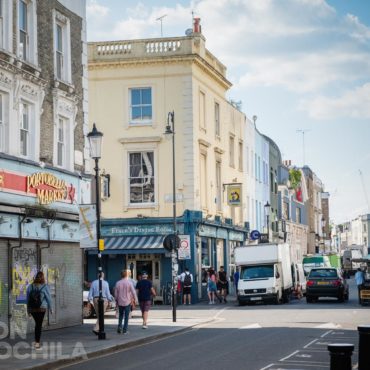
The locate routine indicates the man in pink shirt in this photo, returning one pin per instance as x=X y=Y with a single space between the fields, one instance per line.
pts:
x=124 y=293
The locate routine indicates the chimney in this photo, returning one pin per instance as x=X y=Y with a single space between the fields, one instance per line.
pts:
x=197 y=28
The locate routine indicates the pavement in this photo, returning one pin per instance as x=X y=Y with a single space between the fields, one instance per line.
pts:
x=67 y=345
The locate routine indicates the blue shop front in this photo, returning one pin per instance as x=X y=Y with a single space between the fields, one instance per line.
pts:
x=137 y=244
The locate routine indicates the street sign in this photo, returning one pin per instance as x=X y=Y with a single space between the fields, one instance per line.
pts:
x=184 y=252
x=255 y=234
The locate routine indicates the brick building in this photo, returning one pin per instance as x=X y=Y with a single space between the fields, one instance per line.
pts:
x=43 y=118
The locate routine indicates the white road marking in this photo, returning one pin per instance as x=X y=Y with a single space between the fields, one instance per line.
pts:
x=308 y=344
x=251 y=326
x=292 y=354
x=325 y=334
x=267 y=367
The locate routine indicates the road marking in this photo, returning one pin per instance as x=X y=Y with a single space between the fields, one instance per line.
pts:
x=292 y=354
x=325 y=334
x=267 y=367
x=251 y=326
x=308 y=344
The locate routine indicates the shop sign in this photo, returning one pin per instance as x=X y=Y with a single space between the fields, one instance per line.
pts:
x=49 y=188
x=46 y=187
x=184 y=251
x=221 y=233
x=205 y=230
x=140 y=230
x=234 y=235
x=234 y=197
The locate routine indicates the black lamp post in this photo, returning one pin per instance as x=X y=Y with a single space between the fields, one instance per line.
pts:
x=323 y=223
x=267 y=211
x=95 y=139
x=170 y=133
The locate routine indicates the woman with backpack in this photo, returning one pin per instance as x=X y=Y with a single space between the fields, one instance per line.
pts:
x=38 y=302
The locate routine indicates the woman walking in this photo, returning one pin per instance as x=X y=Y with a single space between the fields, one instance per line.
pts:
x=38 y=302
x=212 y=287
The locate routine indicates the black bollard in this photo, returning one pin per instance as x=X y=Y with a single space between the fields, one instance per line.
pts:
x=363 y=347
x=340 y=356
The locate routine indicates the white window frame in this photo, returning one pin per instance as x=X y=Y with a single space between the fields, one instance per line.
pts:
x=154 y=176
x=202 y=111
x=232 y=151
x=240 y=154
x=6 y=17
x=217 y=120
x=64 y=53
x=30 y=31
x=3 y=120
x=139 y=122
x=23 y=129
x=61 y=141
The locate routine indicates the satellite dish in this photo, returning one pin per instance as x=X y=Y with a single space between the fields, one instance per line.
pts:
x=189 y=32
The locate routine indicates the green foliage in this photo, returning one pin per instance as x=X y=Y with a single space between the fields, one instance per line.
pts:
x=295 y=177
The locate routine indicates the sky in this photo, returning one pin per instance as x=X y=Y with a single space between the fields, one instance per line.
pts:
x=295 y=64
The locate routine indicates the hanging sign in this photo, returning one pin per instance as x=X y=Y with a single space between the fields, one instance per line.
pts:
x=234 y=195
x=184 y=252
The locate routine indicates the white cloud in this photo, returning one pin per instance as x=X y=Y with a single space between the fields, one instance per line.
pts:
x=351 y=104
x=94 y=9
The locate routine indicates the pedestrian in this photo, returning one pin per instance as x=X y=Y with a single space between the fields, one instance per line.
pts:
x=145 y=291
x=124 y=293
x=133 y=282
x=360 y=279
x=187 y=280
x=94 y=297
x=212 y=286
x=38 y=302
x=236 y=281
x=222 y=284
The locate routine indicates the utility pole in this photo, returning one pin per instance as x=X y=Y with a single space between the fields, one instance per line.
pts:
x=303 y=131
x=161 y=20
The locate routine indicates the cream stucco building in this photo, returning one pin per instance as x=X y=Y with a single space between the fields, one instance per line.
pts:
x=133 y=88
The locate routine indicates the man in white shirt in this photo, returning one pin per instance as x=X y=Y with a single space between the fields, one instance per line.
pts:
x=187 y=280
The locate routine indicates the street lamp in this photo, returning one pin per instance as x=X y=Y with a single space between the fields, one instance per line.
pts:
x=95 y=139
x=323 y=223
x=170 y=133
x=267 y=211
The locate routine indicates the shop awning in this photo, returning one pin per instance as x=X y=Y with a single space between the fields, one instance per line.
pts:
x=134 y=242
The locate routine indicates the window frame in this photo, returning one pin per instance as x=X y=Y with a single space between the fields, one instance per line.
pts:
x=153 y=177
x=240 y=152
x=142 y=121
x=202 y=111
x=26 y=130
x=23 y=51
x=217 y=120
x=232 y=151
x=2 y=122
x=61 y=143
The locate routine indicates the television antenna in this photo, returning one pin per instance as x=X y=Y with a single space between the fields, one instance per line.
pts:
x=303 y=132
x=161 y=20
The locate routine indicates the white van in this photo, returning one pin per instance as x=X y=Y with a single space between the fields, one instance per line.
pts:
x=299 y=280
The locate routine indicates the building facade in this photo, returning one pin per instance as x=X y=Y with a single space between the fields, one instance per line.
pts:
x=147 y=80
x=42 y=121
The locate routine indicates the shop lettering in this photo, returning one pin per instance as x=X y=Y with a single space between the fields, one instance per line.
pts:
x=47 y=196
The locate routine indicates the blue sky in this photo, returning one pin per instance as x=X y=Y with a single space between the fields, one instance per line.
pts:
x=296 y=64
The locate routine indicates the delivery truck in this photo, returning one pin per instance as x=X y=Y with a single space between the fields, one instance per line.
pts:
x=265 y=273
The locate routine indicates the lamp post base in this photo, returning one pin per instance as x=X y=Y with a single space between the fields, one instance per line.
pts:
x=101 y=335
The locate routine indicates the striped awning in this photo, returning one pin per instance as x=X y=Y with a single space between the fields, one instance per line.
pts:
x=134 y=242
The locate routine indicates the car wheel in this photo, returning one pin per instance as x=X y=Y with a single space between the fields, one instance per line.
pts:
x=88 y=310
x=341 y=298
x=346 y=296
x=308 y=299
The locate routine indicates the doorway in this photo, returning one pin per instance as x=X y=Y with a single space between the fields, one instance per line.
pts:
x=144 y=266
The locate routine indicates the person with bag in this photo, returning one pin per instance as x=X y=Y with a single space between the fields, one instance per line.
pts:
x=124 y=293
x=187 y=281
x=38 y=302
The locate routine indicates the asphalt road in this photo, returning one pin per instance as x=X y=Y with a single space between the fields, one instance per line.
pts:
x=293 y=336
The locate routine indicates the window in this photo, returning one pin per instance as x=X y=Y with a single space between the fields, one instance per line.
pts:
x=62 y=47
x=2 y=24
x=255 y=166
x=141 y=105
x=203 y=180
x=61 y=150
x=247 y=159
x=240 y=156
x=202 y=110
x=24 y=130
x=271 y=181
x=231 y=152
x=217 y=119
x=2 y=129
x=141 y=177
x=286 y=210
x=298 y=215
x=218 y=186
x=23 y=30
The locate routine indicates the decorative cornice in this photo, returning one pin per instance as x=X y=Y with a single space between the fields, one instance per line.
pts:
x=218 y=150
x=204 y=143
x=146 y=139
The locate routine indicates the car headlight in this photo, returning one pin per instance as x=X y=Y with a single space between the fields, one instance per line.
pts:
x=241 y=291
x=270 y=290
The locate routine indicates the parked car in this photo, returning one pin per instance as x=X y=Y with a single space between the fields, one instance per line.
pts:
x=88 y=308
x=326 y=282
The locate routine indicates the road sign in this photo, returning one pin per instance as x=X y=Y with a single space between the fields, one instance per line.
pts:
x=255 y=234
x=184 y=252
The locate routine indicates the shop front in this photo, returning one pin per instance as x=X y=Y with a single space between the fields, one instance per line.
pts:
x=39 y=230
x=137 y=244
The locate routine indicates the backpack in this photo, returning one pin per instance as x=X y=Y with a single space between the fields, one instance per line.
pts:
x=34 y=298
x=187 y=279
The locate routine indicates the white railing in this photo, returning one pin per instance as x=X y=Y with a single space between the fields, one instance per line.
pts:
x=113 y=48
x=155 y=47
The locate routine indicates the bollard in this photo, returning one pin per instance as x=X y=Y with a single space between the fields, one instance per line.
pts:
x=363 y=347
x=340 y=356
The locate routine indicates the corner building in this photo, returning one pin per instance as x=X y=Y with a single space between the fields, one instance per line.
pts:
x=43 y=112
x=133 y=85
